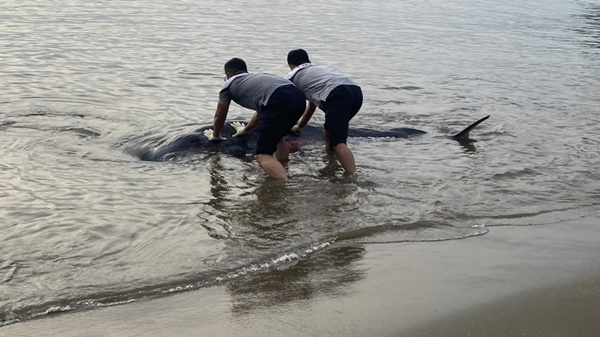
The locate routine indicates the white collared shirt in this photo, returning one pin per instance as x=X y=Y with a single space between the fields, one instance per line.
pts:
x=317 y=82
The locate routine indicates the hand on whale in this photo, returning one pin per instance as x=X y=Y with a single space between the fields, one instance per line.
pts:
x=240 y=129
x=296 y=130
x=209 y=133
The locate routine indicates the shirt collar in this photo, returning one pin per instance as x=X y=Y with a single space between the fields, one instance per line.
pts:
x=295 y=70
x=231 y=79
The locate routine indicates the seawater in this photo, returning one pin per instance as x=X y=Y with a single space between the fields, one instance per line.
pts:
x=84 y=223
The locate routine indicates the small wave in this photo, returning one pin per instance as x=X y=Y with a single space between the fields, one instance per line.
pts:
x=82 y=132
x=52 y=310
x=39 y=111
x=407 y=87
x=419 y=231
x=7 y=271
x=154 y=291
x=7 y=123
x=540 y=218
x=511 y=174
x=285 y=258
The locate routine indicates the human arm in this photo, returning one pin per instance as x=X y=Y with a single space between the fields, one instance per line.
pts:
x=253 y=121
x=308 y=112
x=242 y=129
x=219 y=120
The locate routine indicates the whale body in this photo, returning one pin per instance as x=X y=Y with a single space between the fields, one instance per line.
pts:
x=242 y=146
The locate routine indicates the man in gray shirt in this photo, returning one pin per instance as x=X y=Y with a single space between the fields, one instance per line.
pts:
x=278 y=104
x=334 y=93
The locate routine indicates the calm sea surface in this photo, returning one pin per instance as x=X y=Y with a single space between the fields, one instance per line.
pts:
x=84 y=223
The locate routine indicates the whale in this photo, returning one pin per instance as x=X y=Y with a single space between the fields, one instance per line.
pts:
x=242 y=146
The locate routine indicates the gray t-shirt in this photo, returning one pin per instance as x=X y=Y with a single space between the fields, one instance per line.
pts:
x=316 y=82
x=252 y=91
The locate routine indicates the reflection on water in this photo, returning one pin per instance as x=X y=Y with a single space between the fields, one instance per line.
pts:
x=329 y=273
x=468 y=145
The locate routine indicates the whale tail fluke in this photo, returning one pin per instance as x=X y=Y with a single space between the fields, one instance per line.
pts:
x=464 y=134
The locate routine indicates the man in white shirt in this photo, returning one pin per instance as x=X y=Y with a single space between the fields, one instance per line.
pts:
x=278 y=104
x=334 y=93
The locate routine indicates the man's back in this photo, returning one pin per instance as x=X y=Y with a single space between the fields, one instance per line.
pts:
x=252 y=91
x=317 y=81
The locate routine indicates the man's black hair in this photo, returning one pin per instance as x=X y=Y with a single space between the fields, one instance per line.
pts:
x=297 y=57
x=235 y=65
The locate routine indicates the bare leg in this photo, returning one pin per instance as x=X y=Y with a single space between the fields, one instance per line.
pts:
x=283 y=152
x=346 y=158
x=271 y=166
x=343 y=154
x=326 y=136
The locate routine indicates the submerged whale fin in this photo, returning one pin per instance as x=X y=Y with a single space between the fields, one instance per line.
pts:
x=465 y=133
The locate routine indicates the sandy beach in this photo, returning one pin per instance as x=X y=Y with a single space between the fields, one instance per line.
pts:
x=513 y=281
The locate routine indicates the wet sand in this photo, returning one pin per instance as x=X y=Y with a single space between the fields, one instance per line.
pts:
x=513 y=281
x=571 y=309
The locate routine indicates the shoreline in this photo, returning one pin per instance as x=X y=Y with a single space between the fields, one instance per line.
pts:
x=517 y=280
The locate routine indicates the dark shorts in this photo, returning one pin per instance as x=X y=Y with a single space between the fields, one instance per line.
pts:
x=276 y=119
x=340 y=107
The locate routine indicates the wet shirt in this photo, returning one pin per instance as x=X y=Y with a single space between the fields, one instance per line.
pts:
x=252 y=91
x=316 y=82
